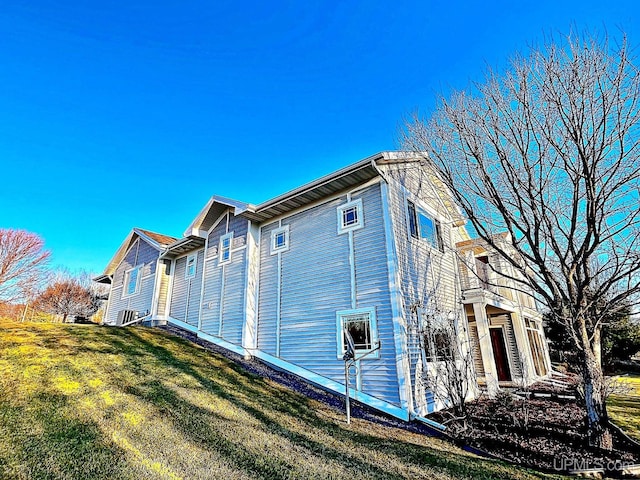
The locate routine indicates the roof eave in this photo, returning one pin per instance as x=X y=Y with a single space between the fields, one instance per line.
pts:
x=333 y=183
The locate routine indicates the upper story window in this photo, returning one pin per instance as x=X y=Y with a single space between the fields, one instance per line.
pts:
x=361 y=326
x=190 y=271
x=131 y=281
x=280 y=240
x=350 y=216
x=224 y=250
x=424 y=226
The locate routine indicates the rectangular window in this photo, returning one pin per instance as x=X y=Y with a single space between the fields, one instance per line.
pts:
x=440 y=339
x=424 y=226
x=225 y=248
x=360 y=325
x=131 y=281
x=280 y=240
x=350 y=216
x=191 y=266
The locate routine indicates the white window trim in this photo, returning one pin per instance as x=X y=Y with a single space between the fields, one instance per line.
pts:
x=273 y=248
x=193 y=256
x=125 y=283
x=437 y=224
x=220 y=249
x=359 y=224
x=373 y=325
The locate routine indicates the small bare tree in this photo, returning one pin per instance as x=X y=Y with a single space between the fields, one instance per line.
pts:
x=67 y=297
x=450 y=375
x=549 y=151
x=22 y=262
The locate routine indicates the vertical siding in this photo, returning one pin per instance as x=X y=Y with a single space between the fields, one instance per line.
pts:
x=315 y=282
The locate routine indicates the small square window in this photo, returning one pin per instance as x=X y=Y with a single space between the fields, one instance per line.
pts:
x=280 y=240
x=225 y=248
x=350 y=216
x=360 y=324
x=190 y=271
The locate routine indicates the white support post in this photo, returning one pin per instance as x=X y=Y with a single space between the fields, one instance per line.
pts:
x=486 y=348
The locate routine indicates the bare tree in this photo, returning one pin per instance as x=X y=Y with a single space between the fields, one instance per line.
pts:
x=69 y=297
x=450 y=375
x=22 y=260
x=549 y=152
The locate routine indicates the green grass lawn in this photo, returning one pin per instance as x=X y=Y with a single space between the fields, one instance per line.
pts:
x=91 y=402
x=624 y=408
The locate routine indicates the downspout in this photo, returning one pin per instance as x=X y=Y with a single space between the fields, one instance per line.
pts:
x=413 y=415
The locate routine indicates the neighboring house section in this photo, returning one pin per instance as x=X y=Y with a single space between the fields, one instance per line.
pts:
x=370 y=254
x=137 y=276
x=506 y=328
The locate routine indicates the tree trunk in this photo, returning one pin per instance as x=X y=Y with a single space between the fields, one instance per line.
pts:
x=595 y=394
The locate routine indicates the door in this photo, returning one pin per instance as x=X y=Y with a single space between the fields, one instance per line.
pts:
x=500 y=354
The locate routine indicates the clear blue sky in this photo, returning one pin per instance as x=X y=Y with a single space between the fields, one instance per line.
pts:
x=122 y=114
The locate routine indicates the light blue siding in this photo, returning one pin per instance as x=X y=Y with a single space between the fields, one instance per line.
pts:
x=267 y=293
x=224 y=285
x=315 y=283
x=185 y=294
x=140 y=253
x=379 y=378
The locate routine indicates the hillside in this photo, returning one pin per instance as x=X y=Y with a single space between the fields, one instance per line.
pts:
x=83 y=401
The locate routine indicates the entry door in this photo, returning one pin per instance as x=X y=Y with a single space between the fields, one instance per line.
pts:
x=500 y=354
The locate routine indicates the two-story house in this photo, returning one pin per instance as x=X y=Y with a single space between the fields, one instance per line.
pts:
x=371 y=252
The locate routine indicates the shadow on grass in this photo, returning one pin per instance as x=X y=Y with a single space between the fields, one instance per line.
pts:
x=41 y=440
x=267 y=405
x=271 y=432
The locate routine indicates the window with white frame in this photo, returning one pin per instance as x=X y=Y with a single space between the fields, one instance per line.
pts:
x=424 y=226
x=350 y=216
x=440 y=338
x=131 y=281
x=360 y=324
x=224 y=249
x=190 y=271
x=280 y=240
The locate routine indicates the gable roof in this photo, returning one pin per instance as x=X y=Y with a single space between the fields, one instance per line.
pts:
x=156 y=240
x=215 y=207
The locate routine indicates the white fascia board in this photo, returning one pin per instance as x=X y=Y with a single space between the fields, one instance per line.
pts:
x=148 y=239
x=223 y=343
x=183 y=325
x=194 y=227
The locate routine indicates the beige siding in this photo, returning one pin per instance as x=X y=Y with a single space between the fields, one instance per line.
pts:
x=428 y=276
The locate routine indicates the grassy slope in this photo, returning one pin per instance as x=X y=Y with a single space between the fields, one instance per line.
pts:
x=624 y=408
x=96 y=402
